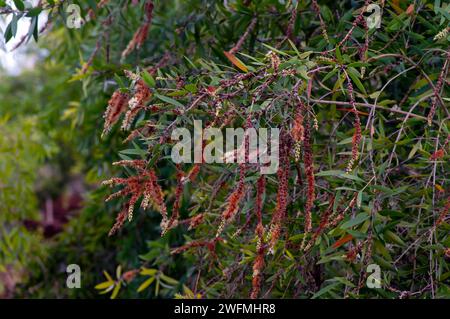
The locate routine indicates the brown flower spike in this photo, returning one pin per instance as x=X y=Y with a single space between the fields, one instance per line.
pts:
x=356 y=139
x=143 y=185
x=141 y=33
x=116 y=106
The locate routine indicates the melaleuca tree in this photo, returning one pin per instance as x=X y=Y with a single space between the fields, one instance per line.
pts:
x=363 y=157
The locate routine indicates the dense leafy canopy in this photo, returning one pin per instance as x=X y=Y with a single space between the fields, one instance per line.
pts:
x=363 y=171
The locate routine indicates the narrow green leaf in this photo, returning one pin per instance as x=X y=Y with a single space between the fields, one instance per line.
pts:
x=338 y=54
x=14 y=25
x=341 y=174
x=354 y=76
x=19 y=5
x=116 y=291
x=104 y=285
x=146 y=284
x=169 y=100
x=330 y=74
x=34 y=12
x=325 y=290
x=169 y=280
x=355 y=221
x=359 y=199
x=148 y=79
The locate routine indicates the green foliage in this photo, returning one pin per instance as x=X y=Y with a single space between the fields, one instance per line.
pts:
x=374 y=104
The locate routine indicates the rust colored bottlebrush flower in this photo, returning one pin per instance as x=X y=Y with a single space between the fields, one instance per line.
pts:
x=437 y=89
x=210 y=244
x=316 y=9
x=257 y=276
x=141 y=33
x=117 y=104
x=136 y=164
x=142 y=94
x=130 y=115
x=192 y=175
x=148 y=9
x=192 y=244
x=144 y=184
x=130 y=275
x=356 y=139
x=323 y=223
x=437 y=155
x=297 y=132
x=310 y=179
x=195 y=221
x=260 y=190
x=444 y=213
x=138 y=39
x=233 y=201
x=339 y=215
x=258 y=265
x=153 y=193
x=143 y=131
x=120 y=220
x=291 y=23
x=173 y=221
x=282 y=194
